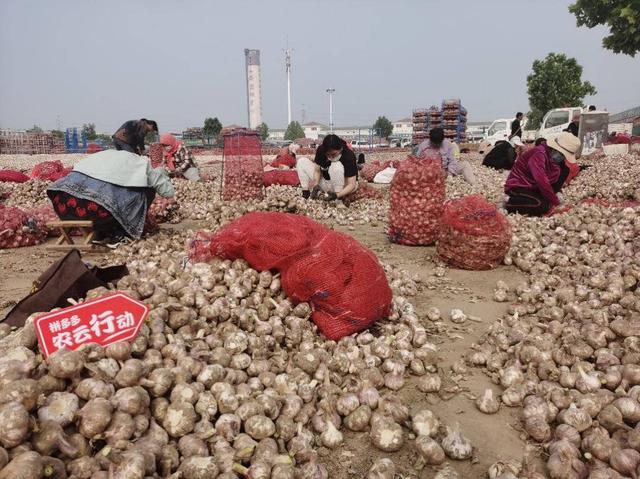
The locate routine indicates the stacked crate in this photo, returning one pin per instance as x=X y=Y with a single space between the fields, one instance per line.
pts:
x=420 y=125
x=454 y=120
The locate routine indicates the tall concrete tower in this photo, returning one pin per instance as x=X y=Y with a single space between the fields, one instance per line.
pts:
x=254 y=87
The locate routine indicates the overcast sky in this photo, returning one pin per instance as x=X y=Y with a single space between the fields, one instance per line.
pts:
x=180 y=61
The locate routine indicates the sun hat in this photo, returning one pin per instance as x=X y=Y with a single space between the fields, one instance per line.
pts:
x=567 y=144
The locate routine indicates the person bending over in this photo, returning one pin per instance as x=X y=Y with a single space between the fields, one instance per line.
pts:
x=538 y=175
x=130 y=136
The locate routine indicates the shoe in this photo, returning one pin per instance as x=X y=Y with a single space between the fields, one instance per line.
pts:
x=116 y=241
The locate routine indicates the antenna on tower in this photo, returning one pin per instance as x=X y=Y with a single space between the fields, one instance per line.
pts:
x=287 y=62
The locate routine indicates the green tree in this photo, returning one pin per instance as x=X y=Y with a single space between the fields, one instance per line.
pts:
x=555 y=82
x=89 y=129
x=294 y=131
x=383 y=127
x=106 y=139
x=58 y=134
x=263 y=129
x=621 y=16
x=212 y=128
x=34 y=129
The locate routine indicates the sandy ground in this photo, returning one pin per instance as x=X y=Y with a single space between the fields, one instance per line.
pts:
x=495 y=437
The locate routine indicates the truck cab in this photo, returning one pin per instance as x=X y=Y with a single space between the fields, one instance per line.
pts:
x=499 y=131
x=556 y=121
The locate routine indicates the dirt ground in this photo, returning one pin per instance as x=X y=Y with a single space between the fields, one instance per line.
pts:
x=495 y=437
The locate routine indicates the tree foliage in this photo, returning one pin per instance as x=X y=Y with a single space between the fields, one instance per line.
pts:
x=263 y=130
x=622 y=17
x=34 y=129
x=294 y=131
x=555 y=82
x=212 y=128
x=59 y=134
x=89 y=129
x=383 y=127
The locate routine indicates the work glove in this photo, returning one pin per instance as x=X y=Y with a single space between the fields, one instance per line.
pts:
x=331 y=196
x=315 y=192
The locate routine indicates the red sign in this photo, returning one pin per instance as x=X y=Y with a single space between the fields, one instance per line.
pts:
x=103 y=321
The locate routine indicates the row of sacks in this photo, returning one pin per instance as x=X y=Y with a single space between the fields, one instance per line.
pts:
x=469 y=232
x=45 y=170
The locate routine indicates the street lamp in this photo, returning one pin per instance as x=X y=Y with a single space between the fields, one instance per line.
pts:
x=331 y=91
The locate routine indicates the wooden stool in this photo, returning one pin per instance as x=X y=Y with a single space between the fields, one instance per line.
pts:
x=65 y=240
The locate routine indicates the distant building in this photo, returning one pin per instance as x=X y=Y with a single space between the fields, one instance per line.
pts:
x=315 y=130
x=403 y=128
x=254 y=87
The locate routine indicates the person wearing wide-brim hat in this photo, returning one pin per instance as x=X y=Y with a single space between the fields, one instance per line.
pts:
x=537 y=176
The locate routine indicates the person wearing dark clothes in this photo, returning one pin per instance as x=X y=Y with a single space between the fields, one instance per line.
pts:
x=574 y=126
x=360 y=161
x=539 y=174
x=592 y=108
x=130 y=136
x=334 y=170
x=501 y=157
x=516 y=127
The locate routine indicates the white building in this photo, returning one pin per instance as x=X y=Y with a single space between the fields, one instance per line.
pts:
x=254 y=87
x=403 y=128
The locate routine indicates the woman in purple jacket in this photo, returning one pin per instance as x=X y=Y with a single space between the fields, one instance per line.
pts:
x=538 y=175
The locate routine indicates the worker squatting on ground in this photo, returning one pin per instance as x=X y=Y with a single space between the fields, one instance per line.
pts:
x=449 y=155
x=538 y=175
x=114 y=190
x=130 y=136
x=177 y=159
x=333 y=171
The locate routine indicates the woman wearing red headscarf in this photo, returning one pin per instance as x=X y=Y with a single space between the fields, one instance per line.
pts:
x=179 y=161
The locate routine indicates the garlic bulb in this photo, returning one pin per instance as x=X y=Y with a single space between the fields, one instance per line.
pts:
x=455 y=445
x=457 y=316
x=425 y=423
x=503 y=470
x=386 y=435
x=447 y=472
x=430 y=452
x=429 y=383
x=331 y=437
x=487 y=403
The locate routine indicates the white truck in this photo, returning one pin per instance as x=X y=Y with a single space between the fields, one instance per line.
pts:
x=500 y=130
x=556 y=121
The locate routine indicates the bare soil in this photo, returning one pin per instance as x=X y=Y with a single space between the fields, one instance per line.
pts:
x=495 y=437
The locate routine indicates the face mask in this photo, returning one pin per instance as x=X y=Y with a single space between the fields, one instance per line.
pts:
x=557 y=157
x=335 y=158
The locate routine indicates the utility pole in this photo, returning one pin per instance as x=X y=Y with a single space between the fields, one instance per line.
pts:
x=58 y=123
x=331 y=91
x=304 y=114
x=287 y=62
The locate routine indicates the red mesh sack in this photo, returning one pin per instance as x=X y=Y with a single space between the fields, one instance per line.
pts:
x=369 y=171
x=60 y=174
x=342 y=280
x=364 y=192
x=284 y=160
x=417 y=201
x=47 y=170
x=17 y=229
x=281 y=177
x=93 y=148
x=473 y=234
x=156 y=155
x=243 y=176
x=11 y=176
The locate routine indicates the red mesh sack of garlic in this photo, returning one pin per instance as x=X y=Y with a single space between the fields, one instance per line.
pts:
x=473 y=234
x=19 y=229
x=156 y=155
x=343 y=280
x=11 y=176
x=48 y=170
x=364 y=192
x=281 y=177
x=369 y=171
x=417 y=201
x=243 y=176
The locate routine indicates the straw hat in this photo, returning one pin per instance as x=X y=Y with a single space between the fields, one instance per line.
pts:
x=567 y=144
